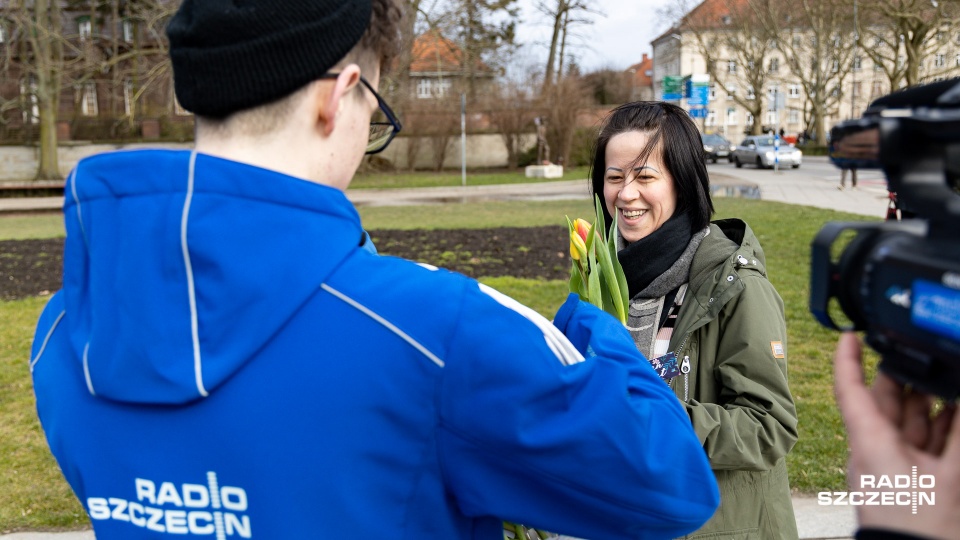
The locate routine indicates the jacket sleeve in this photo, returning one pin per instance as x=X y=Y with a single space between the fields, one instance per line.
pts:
x=587 y=448
x=754 y=423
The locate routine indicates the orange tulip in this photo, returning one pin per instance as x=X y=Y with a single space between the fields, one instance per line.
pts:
x=578 y=239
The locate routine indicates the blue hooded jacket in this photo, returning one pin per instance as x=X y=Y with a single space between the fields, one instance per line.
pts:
x=226 y=360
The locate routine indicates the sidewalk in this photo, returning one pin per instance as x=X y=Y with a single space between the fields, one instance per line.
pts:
x=869 y=199
x=814 y=522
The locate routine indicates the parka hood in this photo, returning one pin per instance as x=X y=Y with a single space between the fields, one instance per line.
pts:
x=187 y=268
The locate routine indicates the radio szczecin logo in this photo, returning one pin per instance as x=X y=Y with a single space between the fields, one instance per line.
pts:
x=913 y=490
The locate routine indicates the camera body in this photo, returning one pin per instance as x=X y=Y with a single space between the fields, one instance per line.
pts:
x=899 y=281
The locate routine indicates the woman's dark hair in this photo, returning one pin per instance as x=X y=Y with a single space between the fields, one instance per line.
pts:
x=670 y=129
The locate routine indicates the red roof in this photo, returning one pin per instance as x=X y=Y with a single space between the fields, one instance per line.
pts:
x=434 y=53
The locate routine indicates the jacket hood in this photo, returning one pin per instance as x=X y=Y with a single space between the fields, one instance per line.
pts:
x=179 y=267
x=727 y=241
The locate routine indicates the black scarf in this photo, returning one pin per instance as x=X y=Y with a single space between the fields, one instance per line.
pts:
x=648 y=258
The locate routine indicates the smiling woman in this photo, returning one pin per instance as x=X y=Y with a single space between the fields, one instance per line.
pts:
x=702 y=311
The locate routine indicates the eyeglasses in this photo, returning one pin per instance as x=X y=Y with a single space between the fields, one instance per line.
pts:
x=384 y=124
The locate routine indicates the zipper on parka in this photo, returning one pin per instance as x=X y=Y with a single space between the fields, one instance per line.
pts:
x=685 y=368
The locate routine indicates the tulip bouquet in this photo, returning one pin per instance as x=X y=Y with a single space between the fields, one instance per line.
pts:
x=596 y=274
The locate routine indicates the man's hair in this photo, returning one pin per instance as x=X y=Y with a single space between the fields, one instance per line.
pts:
x=378 y=47
x=670 y=131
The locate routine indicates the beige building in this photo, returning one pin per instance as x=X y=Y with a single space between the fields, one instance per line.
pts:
x=749 y=72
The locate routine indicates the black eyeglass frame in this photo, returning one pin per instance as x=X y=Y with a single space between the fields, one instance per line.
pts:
x=392 y=119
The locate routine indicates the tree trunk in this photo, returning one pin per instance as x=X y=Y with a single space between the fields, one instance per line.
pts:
x=48 y=55
x=554 y=39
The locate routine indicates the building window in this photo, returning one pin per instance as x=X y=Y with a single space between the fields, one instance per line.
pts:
x=751 y=95
x=732 y=93
x=877 y=66
x=726 y=19
x=774 y=65
x=423 y=89
x=793 y=90
x=731 y=66
x=88 y=100
x=128 y=31
x=771 y=118
x=900 y=61
x=857 y=63
x=711 y=117
x=713 y=91
x=732 y=117
x=856 y=89
x=876 y=90
x=793 y=116
x=84 y=28
x=835 y=66
x=442 y=87
x=749 y=119
x=940 y=60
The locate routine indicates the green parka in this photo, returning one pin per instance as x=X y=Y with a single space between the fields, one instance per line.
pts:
x=730 y=337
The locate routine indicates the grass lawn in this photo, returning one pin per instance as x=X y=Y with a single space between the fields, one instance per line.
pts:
x=455 y=178
x=34 y=496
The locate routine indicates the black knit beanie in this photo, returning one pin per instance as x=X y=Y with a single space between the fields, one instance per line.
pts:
x=231 y=55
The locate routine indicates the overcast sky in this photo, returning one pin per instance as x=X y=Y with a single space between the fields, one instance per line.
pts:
x=616 y=40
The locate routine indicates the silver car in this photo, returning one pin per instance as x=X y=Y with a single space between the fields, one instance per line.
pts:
x=760 y=150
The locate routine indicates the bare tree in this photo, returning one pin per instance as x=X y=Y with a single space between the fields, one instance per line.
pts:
x=563 y=104
x=511 y=113
x=816 y=38
x=736 y=47
x=484 y=31
x=899 y=35
x=37 y=26
x=562 y=14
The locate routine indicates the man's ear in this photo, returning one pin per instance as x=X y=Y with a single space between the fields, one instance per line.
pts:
x=328 y=100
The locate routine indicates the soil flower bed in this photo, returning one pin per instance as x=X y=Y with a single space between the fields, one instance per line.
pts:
x=33 y=267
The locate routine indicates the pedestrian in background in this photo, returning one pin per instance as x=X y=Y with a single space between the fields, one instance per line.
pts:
x=843 y=178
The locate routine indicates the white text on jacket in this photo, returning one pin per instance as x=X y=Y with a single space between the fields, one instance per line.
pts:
x=195 y=509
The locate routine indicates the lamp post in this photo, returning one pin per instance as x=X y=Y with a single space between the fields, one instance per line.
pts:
x=853 y=68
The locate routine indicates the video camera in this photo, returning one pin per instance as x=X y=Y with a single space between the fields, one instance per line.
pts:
x=899 y=281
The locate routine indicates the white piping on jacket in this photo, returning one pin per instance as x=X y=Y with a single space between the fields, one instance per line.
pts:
x=191 y=291
x=387 y=324
x=86 y=370
x=76 y=201
x=46 y=340
x=558 y=343
x=83 y=232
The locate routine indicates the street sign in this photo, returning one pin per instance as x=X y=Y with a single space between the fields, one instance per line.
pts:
x=672 y=87
x=697 y=89
x=699 y=95
x=699 y=112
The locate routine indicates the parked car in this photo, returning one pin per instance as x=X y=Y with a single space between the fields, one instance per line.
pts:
x=759 y=150
x=715 y=147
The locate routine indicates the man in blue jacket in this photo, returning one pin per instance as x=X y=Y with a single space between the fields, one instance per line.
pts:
x=226 y=359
